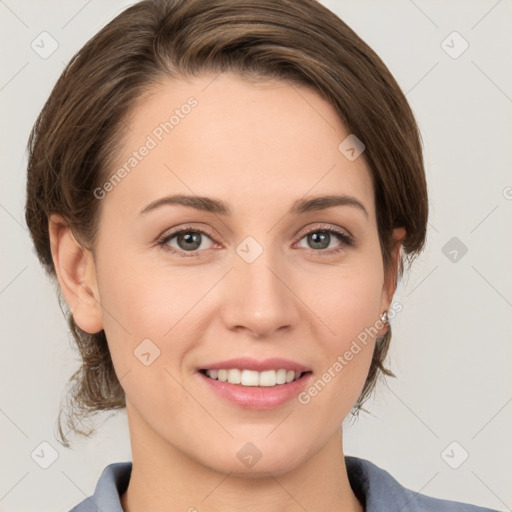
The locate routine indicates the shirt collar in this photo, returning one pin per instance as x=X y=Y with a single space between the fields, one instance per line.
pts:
x=375 y=488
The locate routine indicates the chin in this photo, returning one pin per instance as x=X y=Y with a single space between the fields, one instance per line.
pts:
x=245 y=460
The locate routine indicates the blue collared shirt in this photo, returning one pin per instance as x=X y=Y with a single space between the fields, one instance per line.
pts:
x=375 y=488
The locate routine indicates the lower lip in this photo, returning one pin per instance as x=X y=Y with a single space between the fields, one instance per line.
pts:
x=257 y=397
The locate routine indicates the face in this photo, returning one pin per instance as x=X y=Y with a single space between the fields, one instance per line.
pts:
x=184 y=289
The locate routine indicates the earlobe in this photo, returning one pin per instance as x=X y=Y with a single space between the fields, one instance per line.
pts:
x=76 y=274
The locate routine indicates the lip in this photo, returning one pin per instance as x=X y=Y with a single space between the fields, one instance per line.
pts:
x=255 y=397
x=247 y=363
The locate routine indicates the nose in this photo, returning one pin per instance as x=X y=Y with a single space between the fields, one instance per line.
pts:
x=260 y=298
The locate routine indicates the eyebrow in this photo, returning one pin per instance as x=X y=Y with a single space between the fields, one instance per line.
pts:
x=219 y=207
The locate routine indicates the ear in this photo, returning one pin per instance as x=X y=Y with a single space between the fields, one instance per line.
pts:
x=76 y=274
x=390 y=279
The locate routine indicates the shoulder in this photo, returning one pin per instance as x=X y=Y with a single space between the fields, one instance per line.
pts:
x=107 y=495
x=380 y=491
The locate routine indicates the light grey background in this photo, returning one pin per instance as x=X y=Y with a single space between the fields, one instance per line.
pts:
x=451 y=348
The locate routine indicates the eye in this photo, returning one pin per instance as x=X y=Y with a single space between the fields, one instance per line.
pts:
x=320 y=240
x=188 y=240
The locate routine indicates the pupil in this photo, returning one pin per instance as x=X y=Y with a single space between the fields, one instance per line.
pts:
x=320 y=238
x=189 y=238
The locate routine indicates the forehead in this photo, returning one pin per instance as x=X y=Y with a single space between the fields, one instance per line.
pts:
x=222 y=136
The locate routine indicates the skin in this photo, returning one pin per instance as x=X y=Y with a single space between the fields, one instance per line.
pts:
x=244 y=143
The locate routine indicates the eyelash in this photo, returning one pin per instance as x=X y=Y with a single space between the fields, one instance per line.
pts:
x=347 y=240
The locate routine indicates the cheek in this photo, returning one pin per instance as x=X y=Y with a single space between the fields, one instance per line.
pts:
x=347 y=357
x=349 y=309
x=148 y=331
x=347 y=299
x=144 y=301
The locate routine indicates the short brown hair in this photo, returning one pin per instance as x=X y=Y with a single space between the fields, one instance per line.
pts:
x=297 y=41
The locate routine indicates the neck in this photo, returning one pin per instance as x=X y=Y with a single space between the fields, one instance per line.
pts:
x=163 y=478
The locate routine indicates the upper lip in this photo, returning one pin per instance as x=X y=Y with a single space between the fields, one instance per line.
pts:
x=246 y=363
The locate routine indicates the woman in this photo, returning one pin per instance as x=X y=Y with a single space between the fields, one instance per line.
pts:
x=226 y=192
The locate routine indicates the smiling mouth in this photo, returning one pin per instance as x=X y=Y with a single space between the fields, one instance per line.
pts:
x=251 y=378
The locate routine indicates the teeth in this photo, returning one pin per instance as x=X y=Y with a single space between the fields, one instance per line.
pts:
x=234 y=376
x=268 y=378
x=249 y=378
x=281 y=376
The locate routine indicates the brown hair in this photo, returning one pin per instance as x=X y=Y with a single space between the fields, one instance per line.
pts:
x=298 y=41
